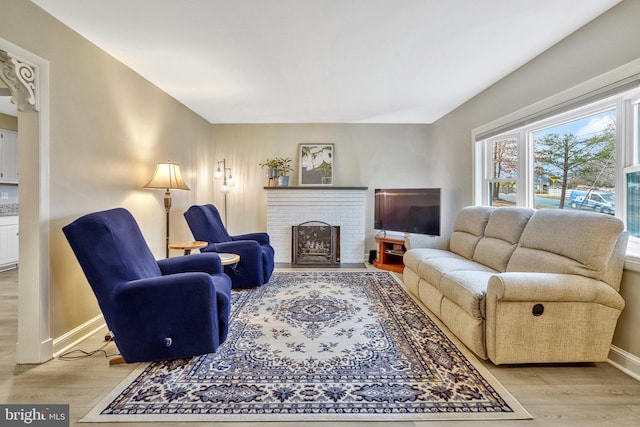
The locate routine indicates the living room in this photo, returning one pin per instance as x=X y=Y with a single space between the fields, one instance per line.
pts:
x=104 y=128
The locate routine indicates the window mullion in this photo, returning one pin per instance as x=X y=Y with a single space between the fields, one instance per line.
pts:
x=525 y=174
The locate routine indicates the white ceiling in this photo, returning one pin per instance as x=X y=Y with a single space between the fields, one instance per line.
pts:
x=341 y=61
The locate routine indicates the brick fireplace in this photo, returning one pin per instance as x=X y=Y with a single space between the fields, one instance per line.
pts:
x=343 y=207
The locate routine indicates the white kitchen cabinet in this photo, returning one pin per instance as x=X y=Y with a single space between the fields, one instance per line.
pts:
x=8 y=242
x=8 y=157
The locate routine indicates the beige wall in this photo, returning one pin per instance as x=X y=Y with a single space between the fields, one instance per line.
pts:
x=8 y=122
x=601 y=46
x=108 y=129
x=367 y=155
x=627 y=336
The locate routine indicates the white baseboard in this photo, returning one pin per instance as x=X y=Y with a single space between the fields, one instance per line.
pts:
x=77 y=335
x=625 y=361
x=10 y=266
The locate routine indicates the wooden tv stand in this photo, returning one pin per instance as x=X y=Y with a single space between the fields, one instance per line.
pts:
x=390 y=252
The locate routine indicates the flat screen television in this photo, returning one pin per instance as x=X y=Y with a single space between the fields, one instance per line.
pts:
x=407 y=210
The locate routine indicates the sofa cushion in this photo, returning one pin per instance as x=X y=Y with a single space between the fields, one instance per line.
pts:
x=433 y=270
x=469 y=229
x=468 y=290
x=414 y=257
x=501 y=235
x=571 y=242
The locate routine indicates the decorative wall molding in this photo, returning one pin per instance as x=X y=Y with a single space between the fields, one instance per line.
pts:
x=21 y=78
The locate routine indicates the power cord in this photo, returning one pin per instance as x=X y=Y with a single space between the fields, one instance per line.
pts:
x=81 y=354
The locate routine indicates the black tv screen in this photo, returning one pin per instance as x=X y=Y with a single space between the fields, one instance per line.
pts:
x=408 y=210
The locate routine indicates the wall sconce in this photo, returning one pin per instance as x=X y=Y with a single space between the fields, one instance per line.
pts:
x=227 y=183
x=169 y=177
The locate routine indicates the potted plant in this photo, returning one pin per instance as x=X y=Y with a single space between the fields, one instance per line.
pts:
x=283 y=167
x=272 y=169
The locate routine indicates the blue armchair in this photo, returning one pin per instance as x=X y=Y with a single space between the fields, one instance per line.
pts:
x=256 y=254
x=156 y=310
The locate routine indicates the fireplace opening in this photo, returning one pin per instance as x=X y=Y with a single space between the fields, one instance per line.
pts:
x=315 y=242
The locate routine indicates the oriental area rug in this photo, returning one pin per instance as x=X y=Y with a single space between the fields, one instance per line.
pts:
x=318 y=346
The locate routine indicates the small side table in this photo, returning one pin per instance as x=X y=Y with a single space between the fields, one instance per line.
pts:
x=228 y=258
x=188 y=246
x=390 y=254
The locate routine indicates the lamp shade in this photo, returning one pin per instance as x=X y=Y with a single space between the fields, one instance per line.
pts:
x=167 y=176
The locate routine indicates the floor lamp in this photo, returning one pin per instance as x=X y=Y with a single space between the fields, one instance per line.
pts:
x=227 y=183
x=167 y=176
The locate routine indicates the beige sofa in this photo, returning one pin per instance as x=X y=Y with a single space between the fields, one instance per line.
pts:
x=517 y=285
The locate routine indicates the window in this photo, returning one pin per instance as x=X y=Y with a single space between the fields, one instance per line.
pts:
x=576 y=160
x=586 y=158
x=548 y=164
x=632 y=173
x=633 y=204
x=503 y=171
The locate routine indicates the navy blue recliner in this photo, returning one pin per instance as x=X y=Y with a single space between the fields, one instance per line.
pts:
x=256 y=254
x=157 y=310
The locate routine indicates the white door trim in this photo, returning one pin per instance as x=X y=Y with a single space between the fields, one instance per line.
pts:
x=34 y=335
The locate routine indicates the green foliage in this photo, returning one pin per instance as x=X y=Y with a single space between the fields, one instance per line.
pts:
x=574 y=161
x=283 y=165
x=269 y=164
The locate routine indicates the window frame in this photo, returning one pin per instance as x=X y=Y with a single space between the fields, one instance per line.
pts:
x=631 y=164
x=525 y=176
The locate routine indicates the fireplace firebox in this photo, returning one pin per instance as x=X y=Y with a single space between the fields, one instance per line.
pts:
x=315 y=243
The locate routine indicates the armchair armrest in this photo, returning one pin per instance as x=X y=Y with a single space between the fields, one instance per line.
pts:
x=249 y=250
x=536 y=287
x=204 y=262
x=421 y=241
x=260 y=237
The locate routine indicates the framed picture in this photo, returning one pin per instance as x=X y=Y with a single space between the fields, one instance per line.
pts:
x=315 y=164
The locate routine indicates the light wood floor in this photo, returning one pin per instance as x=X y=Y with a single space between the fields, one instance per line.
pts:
x=560 y=395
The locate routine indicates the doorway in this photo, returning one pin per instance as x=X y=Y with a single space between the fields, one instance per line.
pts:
x=34 y=341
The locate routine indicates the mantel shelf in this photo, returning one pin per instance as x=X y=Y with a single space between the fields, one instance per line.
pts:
x=318 y=187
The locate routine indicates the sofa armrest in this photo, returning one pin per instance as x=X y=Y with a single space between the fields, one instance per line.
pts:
x=549 y=318
x=422 y=241
x=537 y=287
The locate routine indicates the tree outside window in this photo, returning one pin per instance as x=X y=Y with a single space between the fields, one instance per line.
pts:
x=504 y=172
x=578 y=155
